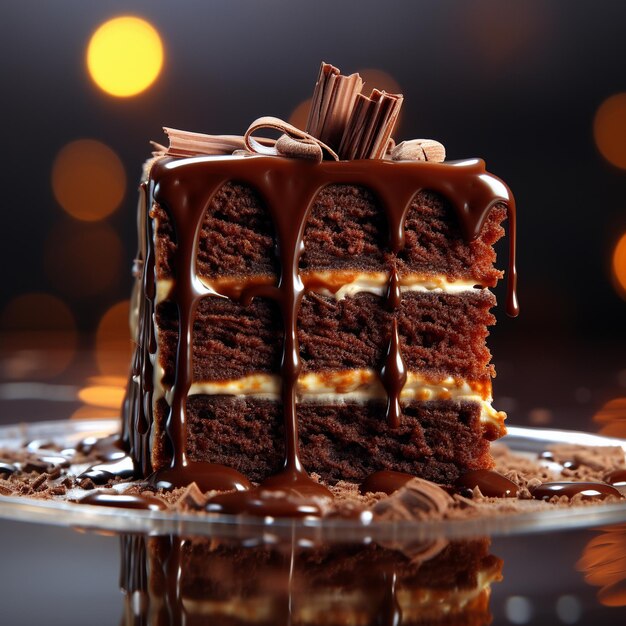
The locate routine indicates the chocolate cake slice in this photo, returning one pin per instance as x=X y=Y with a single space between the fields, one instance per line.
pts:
x=298 y=316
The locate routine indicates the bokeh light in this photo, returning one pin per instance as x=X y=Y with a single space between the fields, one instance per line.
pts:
x=300 y=114
x=87 y=412
x=480 y=22
x=619 y=266
x=39 y=337
x=125 y=56
x=113 y=344
x=609 y=129
x=102 y=396
x=378 y=79
x=88 y=180
x=83 y=259
x=604 y=565
x=612 y=418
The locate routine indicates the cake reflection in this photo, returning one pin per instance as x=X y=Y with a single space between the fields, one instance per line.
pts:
x=198 y=580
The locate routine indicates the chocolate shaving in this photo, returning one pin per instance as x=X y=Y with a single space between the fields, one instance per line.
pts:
x=186 y=143
x=418 y=499
x=38 y=483
x=191 y=498
x=370 y=126
x=331 y=104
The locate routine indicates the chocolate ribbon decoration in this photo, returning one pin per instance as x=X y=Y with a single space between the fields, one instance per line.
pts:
x=292 y=143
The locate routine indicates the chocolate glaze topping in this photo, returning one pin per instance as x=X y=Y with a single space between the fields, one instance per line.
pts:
x=393 y=373
x=571 y=489
x=124 y=501
x=491 y=484
x=101 y=473
x=7 y=468
x=617 y=478
x=184 y=188
x=384 y=481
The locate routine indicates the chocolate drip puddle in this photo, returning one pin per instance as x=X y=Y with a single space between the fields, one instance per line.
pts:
x=519 y=484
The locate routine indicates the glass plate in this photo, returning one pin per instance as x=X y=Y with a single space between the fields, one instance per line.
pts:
x=61 y=513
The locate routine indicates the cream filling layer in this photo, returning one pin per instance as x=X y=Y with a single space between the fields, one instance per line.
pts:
x=348 y=386
x=336 y=284
x=351 y=386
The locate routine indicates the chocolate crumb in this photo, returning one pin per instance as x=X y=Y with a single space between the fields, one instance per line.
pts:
x=86 y=483
x=54 y=473
x=191 y=498
x=38 y=482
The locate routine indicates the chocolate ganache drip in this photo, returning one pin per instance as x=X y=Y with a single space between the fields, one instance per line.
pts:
x=185 y=188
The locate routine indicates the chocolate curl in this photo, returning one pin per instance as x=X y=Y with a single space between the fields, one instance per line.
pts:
x=370 y=126
x=419 y=150
x=185 y=143
x=331 y=104
x=293 y=143
x=418 y=500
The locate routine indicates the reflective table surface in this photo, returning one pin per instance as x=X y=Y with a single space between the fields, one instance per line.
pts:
x=54 y=575
x=65 y=574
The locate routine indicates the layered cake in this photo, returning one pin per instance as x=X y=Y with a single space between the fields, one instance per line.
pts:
x=316 y=305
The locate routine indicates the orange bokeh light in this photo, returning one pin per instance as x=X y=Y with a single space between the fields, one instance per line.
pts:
x=94 y=412
x=481 y=23
x=603 y=563
x=113 y=344
x=88 y=180
x=102 y=396
x=609 y=129
x=378 y=79
x=39 y=337
x=83 y=259
x=619 y=265
x=612 y=418
x=300 y=114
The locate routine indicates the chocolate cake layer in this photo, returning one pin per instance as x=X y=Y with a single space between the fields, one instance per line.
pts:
x=345 y=229
x=230 y=340
x=441 y=335
x=436 y=440
x=237 y=236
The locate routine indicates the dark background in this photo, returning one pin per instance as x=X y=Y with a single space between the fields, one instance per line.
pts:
x=517 y=84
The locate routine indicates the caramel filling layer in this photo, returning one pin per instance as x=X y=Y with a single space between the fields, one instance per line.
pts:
x=352 y=386
x=333 y=283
